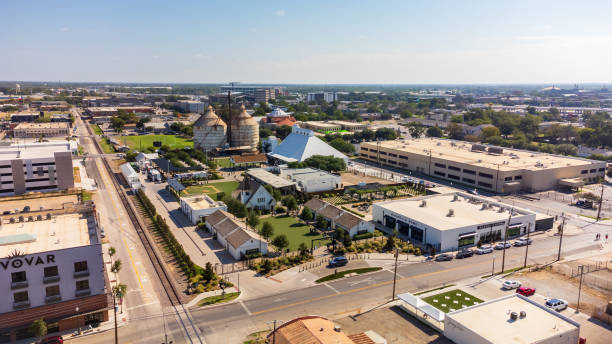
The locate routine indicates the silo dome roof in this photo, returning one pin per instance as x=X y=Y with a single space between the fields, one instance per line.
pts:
x=210 y=118
x=244 y=118
x=278 y=112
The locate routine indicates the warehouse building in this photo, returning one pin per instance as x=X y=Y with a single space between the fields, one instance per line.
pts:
x=38 y=130
x=196 y=208
x=452 y=221
x=510 y=319
x=51 y=269
x=495 y=169
x=311 y=179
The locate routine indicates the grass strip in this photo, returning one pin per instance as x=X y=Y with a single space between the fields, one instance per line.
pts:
x=346 y=272
x=97 y=130
x=508 y=271
x=218 y=299
x=434 y=289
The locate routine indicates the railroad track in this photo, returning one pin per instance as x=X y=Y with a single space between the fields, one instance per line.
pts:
x=169 y=288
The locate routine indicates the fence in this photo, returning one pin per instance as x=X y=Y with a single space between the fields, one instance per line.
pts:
x=594 y=275
x=325 y=260
x=601 y=314
x=553 y=195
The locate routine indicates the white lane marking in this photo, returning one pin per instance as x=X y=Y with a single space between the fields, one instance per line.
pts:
x=143 y=305
x=391 y=271
x=245 y=307
x=332 y=288
x=367 y=280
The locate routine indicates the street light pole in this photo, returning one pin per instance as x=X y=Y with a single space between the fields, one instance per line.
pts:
x=505 y=239
x=527 y=246
x=581 y=267
x=561 y=235
x=395 y=273
x=600 y=201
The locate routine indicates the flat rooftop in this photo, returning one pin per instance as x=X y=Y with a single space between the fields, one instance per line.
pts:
x=306 y=174
x=492 y=321
x=269 y=178
x=322 y=124
x=62 y=231
x=34 y=150
x=437 y=207
x=461 y=152
x=200 y=202
x=55 y=202
x=50 y=125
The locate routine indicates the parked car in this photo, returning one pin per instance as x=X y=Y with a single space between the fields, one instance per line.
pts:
x=484 y=249
x=510 y=284
x=500 y=245
x=52 y=340
x=525 y=291
x=444 y=256
x=556 y=304
x=464 y=254
x=529 y=241
x=519 y=242
x=338 y=261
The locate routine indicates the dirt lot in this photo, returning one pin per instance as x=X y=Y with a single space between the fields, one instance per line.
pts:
x=349 y=179
x=394 y=325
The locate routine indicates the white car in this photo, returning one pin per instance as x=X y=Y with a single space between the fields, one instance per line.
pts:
x=500 y=246
x=510 y=284
x=556 y=304
x=484 y=249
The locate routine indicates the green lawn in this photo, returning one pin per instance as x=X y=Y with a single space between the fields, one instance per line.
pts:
x=144 y=141
x=211 y=189
x=106 y=146
x=446 y=301
x=218 y=299
x=296 y=232
x=96 y=129
x=223 y=162
x=346 y=272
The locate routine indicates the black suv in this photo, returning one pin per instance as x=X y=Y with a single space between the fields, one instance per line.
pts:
x=338 y=261
x=464 y=254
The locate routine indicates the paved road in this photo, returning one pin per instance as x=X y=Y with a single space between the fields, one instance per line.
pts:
x=231 y=323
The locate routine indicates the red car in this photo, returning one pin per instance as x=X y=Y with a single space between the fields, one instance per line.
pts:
x=52 y=340
x=525 y=291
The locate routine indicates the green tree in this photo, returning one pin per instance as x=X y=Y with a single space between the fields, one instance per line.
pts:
x=111 y=251
x=267 y=231
x=283 y=131
x=119 y=291
x=116 y=267
x=489 y=132
x=390 y=244
x=38 y=328
x=303 y=249
x=609 y=173
x=321 y=222
x=252 y=219
x=342 y=145
x=416 y=130
x=208 y=274
x=455 y=131
x=280 y=242
x=306 y=214
x=434 y=132
x=290 y=202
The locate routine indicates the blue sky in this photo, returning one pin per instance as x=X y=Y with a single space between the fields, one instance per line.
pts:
x=312 y=41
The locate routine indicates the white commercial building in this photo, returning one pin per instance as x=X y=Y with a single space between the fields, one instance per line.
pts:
x=509 y=320
x=196 y=208
x=234 y=235
x=453 y=221
x=192 y=106
x=318 y=96
x=51 y=263
x=312 y=180
x=301 y=144
x=36 y=167
x=131 y=177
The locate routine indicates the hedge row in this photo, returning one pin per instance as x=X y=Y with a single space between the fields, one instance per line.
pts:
x=162 y=228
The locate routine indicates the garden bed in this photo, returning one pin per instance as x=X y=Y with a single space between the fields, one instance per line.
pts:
x=452 y=300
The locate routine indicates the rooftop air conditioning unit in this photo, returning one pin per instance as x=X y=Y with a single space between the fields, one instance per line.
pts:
x=513 y=316
x=523 y=314
x=451 y=213
x=455 y=197
x=423 y=203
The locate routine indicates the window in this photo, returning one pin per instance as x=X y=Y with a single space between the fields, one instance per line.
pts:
x=518 y=177
x=21 y=296
x=364 y=149
x=80 y=266
x=584 y=171
x=51 y=271
x=507 y=179
x=364 y=154
x=52 y=290
x=392 y=162
x=593 y=170
x=439 y=165
x=469 y=171
x=485 y=175
x=603 y=169
x=439 y=173
x=19 y=276
x=453 y=168
x=452 y=176
x=466 y=241
x=82 y=285
x=393 y=155
x=487 y=185
x=468 y=180
x=383 y=153
x=403 y=157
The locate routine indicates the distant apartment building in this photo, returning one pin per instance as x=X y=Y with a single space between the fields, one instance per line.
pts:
x=495 y=169
x=37 y=130
x=257 y=94
x=25 y=117
x=50 y=105
x=192 y=106
x=319 y=96
x=36 y=167
x=321 y=126
x=109 y=101
x=113 y=110
x=351 y=126
x=51 y=268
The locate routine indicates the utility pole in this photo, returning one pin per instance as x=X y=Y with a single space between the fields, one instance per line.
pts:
x=115 y=307
x=493 y=268
x=561 y=235
x=274 y=331
x=600 y=201
x=505 y=239
x=395 y=273
x=581 y=267
x=527 y=246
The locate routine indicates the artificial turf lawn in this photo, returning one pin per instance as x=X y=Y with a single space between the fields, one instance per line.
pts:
x=445 y=305
x=142 y=142
x=295 y=231
x=211 y=189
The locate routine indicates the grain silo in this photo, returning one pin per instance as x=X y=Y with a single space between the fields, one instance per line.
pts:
x=209 y=131
x=245 y=130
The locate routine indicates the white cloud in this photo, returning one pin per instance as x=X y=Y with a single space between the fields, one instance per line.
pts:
x=64 y=29
x=280 y=12
x=543 y=27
